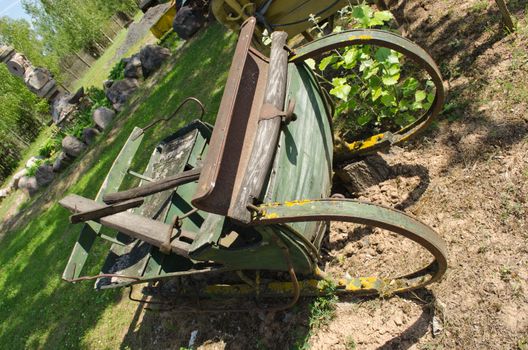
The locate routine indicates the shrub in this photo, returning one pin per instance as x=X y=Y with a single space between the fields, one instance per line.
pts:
x=372 y=88
x=118 y=71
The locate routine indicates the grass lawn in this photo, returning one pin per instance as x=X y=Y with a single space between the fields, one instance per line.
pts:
x=98 y=73
x=37 y=308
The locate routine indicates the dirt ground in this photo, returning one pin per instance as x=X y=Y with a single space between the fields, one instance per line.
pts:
x=467 y=178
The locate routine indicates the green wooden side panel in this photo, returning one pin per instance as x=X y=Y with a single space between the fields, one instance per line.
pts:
x=171 y=156
x=111 y=183
x=263 y=255
x=303 y=164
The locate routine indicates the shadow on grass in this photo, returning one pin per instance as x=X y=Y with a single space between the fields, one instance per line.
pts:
x=37 y=309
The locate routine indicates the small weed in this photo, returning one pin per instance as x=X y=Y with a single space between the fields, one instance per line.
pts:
x=505 y=273
x=350 y=343
x=450 y=70
x=431 y=346
x=522 y=344
x=453 y=110
x=479 y=6
x=482 y=249
x=322 y=311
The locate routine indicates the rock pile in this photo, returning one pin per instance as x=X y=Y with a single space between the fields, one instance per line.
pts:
x=138 y=66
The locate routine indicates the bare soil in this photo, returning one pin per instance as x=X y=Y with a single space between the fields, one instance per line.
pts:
x=467 y=178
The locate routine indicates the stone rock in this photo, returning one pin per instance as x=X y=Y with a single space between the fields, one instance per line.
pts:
x=44 y=175
x=61 y=162
x=144 y=5
x=187 y=22
x=40 y=82
x=62 y=108
x=4 y=192
x=152 y=57
x=17 y=65
x=32 y=161
x=6 y=52
x=133 y=68
x=72 y=146
x=28 y=184
x=89 y=135
x=102 y=117
x=77 y=96
x=107 y=84
x=18 y=176
x=120 y=91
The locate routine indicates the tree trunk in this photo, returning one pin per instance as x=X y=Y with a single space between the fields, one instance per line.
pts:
x=364 y=173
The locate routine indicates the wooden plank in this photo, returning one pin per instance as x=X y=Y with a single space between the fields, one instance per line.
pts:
x=151 y=231
x=154 y=187
x=91 y=229
x=106 y=210
x=268 y=130
x=303 y=164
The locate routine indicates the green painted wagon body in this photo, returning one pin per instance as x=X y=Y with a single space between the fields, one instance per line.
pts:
x=253 y=205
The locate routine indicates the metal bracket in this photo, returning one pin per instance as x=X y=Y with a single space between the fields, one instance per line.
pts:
x=269 y=111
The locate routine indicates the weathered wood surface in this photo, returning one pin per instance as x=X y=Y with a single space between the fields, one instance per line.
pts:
x=106 y=210
x=362 y=174
x=91 y=229
x=268 y=132
x=154 y=187
x=151 y=231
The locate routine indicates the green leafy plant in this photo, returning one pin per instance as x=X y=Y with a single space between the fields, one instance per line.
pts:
x=118 y=71
x=83 y=119
x=322 y=309
x=97 y=97
x=170 y=40
x=372 y=88
x=32 y=170
x=51 y=147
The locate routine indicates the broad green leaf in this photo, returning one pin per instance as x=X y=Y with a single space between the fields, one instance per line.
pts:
x=431 y=97
x=409 y=86
x=364 y=119
x=383 y=16
x=393 y=58
x=350 y=58
x=420 y=95
x=393 y=69
x=382 y=54
x=388 y=100
x=365 y=65
x=325 y=62
x=370 y=72
x=417 y=106
x=374 y=82
x=390 y=79
x=341 y=89
x=376 y=93
x=363 y=15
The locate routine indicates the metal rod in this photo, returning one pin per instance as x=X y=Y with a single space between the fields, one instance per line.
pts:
x=140 y=176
